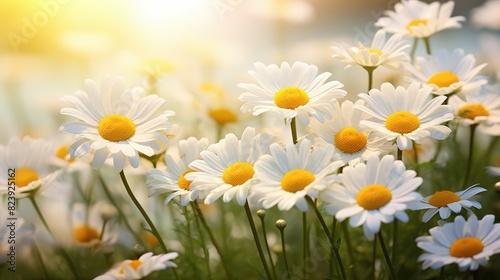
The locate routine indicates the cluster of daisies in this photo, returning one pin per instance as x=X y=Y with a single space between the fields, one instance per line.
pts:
x=348 y=160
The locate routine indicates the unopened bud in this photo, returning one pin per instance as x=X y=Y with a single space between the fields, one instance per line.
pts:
x=281 y=224
x=497 y=187
x=261 y=213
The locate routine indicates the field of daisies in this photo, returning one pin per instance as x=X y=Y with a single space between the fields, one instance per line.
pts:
x=295 y=178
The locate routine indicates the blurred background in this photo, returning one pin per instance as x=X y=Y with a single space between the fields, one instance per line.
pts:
x=188 y=51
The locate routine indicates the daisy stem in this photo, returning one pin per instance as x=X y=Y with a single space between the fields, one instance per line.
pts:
x=427 y=45
x=471 y=153
x=394 y=240
x=350 y=251
x=293 y=126
x=332 y=253
x=330 y=237
x=282 y=232
x=202 y=238
x=146 y=217
x=304 y=243
x=399 y=154
x=120 y=212
x=102 y=229
x=39 y=260
x=386 y=255
x=256 y=239
x=374 y=257
x=65 y=255
x=212 y=238
x=415 y=152
x=267 y=245
x=414 y=47
x=441 y=273
x=370 y=76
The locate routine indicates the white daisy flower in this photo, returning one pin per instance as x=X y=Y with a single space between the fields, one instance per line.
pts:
x=291 y=91
x=406 y=114
x=447 y=73
x=87 y=225
x=287 y=175
x=469 y=243
x=493 y=170
x=115 y=122
x=487 y=15
x=419 y=19
x=373 y=193
x=139 y=268
x=480 y=108
x=26 y=165
x=173 y=180
x=352 y=143
x=227 y=168
x=446 y=201
x=389 y=53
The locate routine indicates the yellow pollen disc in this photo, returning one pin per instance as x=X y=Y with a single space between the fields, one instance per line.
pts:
x=402 y=122
x=134 y=264
x=85 y=234
x=24 y=176
x=466 y=247
x=62 y=153
x=116 y=128
x=238 y=173
x=222 y=116
x=443 y=79
x=443 y=198
x=411 y=153
x=379 y=52
x=471 y=111
x=348 y=140
x=415 y=22
x=291 y=98
x=183 y=182
x=296 y=180
x=150 y=239
x=373 y=196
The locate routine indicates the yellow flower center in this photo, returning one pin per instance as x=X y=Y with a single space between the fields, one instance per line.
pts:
x=373 y=196
x=85 y=234
x=471 y=111
x=296 y=180
x=62 y=153
x=379 y=52
x=183 y=182
x=238 y=173
x=443 y=79
x=222 y=116
x=348 y=140
x=415 y=22
x=24 y=176
x=116 y=128
x=443 y=198
x=134 y=264
x=402 y=122
x=411 y=153
x=466 y=247
x=291 y=98
x=150 y=239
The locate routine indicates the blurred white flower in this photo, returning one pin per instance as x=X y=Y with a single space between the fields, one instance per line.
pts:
x=487 y=15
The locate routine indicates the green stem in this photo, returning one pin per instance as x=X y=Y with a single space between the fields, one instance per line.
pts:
x=441 y=273
x=400 y=154
x=146 y=217
x=202 y=238
x=282 y=232
x=293 y=127
x=350 y=251
x=471 y=153
x=386 y=255
x=267 y=246
x=39 y=260
x=374 y=258
x=415 y=152
x=414 y=48
x=189 y=234
x=123 y=217
x=370 y=77
x=102 y=229
x=427 y=45
x=395 y=240
x=332 y=253
x=330 y=237
x=304 y=243
x=65 y=255
x=212 y=238
x=256 y=239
